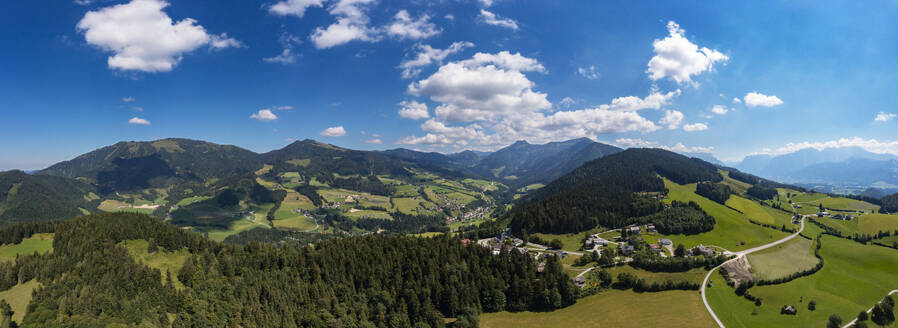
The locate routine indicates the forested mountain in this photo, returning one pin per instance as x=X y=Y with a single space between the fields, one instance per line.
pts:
x=25 y=197
x=129 y=166
x=315 y=158
x=847 y=166
x=523 y=163
x=91 y=280
x=604 y=191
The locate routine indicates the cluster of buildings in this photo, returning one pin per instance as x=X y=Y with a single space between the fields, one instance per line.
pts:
x=472 y=215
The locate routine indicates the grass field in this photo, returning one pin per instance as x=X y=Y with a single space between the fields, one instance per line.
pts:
x=285 y=217
x=873 y=223
x=570 y=242
x=192 y=199
x=694 y=275
x=731 y=229
x=408 y=205
x=807 y=197
x=737 y=186
x=670 y=309
x=163 y=260
x=784 y=259
x=111 y=205
x=259 y=219
x=843 y=203
x=853 y=278
x=18 y=298
x=369 y=214
x=41 y=243
x=750 y=209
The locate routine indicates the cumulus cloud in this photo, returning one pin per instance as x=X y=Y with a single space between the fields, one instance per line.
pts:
x=679 y=59
x=336 y=131
x=719 y=109
x=672 y=119
x=128 y=99
x=294 y=7
x=137 y=108
x=404 y=27
x=492 y=19
x=884 y=117
x=413 y=110
x=588 y=72
x=488 y=101
x=483 y=88
x=755 y=99
x=351 y=25
x=678 y=147
x=428 y=55
x=567 y=102
x=695 y=127
x=139 y=121
x=144 y=38
x=374 y=141
x=264 y=115
x=737 y=101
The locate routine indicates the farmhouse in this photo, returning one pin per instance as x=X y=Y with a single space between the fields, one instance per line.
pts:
x=788 y=309
x=701 y=249
x=626 y=249
x=655 y=247
x=594 y=240
x=665 y=242
x=634 y=229
x=580 y=281
x=650 y=228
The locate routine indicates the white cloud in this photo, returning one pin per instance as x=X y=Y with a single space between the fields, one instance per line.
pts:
x=679 y=59
x=294 y=7
x=719 y=109
x=138 y=120
x=678 y=147
x=264 y=115
x=128 y=99
x=567 y=102
x=450 y=17
x=871 y=145
x=487 y=101
x=144 y=38
x=754 y=99
x=374 y=141
x=351 y=25
x=336 y=131
x=737 y=101
x=492 y=19
x=285 y=107
x=428 y=55
x=413 y=110
x=695 y=127
x=483 y=88
x=137 y=108
x=672 y=119
x=588 y=72
x=404 y=27
x=287 y=55
x=486 y=3
x=884 y=117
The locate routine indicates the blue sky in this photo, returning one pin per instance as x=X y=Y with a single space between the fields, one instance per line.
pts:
x=447 y=75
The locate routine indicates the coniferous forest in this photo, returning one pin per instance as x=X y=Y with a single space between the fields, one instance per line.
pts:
x=371 y=281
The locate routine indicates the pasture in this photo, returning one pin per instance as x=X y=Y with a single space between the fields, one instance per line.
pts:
x=784 y=259
x=853 y=278
x=614 y=308
x=40 y=243
x=162 y=259
x=731 y=230
x=695 y=275
x=873 y=223
x=18 y=298
x=750 y=209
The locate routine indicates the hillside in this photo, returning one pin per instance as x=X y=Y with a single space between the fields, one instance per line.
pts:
x=120 y=259
x=604 y=191
x=25 y=197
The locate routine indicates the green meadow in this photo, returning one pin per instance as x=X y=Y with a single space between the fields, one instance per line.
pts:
x=18 y=298
x=40 y=243
x=784 y=259
x=853 y=278
x=162 y=260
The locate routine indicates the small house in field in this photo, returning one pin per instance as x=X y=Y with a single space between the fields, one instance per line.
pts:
x=634 y=229
x=580 y=281
x=655 y=247
x=650 y=227
x=626 y=249
x=665 y=242
x=701 y=249
x=788 y=309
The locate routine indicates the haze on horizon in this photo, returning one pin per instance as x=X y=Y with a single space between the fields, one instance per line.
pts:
x=729 y=79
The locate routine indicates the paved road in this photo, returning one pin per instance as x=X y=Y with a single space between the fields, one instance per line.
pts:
x=739 y=255
x=868 y=311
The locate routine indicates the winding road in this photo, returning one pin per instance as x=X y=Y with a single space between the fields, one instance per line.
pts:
x=739 y=255
x=868 y=311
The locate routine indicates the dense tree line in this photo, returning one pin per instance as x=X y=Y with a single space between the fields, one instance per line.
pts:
x=311 y=193
x=370 y=184
x=680 y=218
x=650 y=262
x=401 y=223
x=601 y=192
x=265 y=235
x=25 y=197
x=762 y=191
x=889 y=204
x=744 y=177
x=626 y=280
x=369 y=281
x=714 y=191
